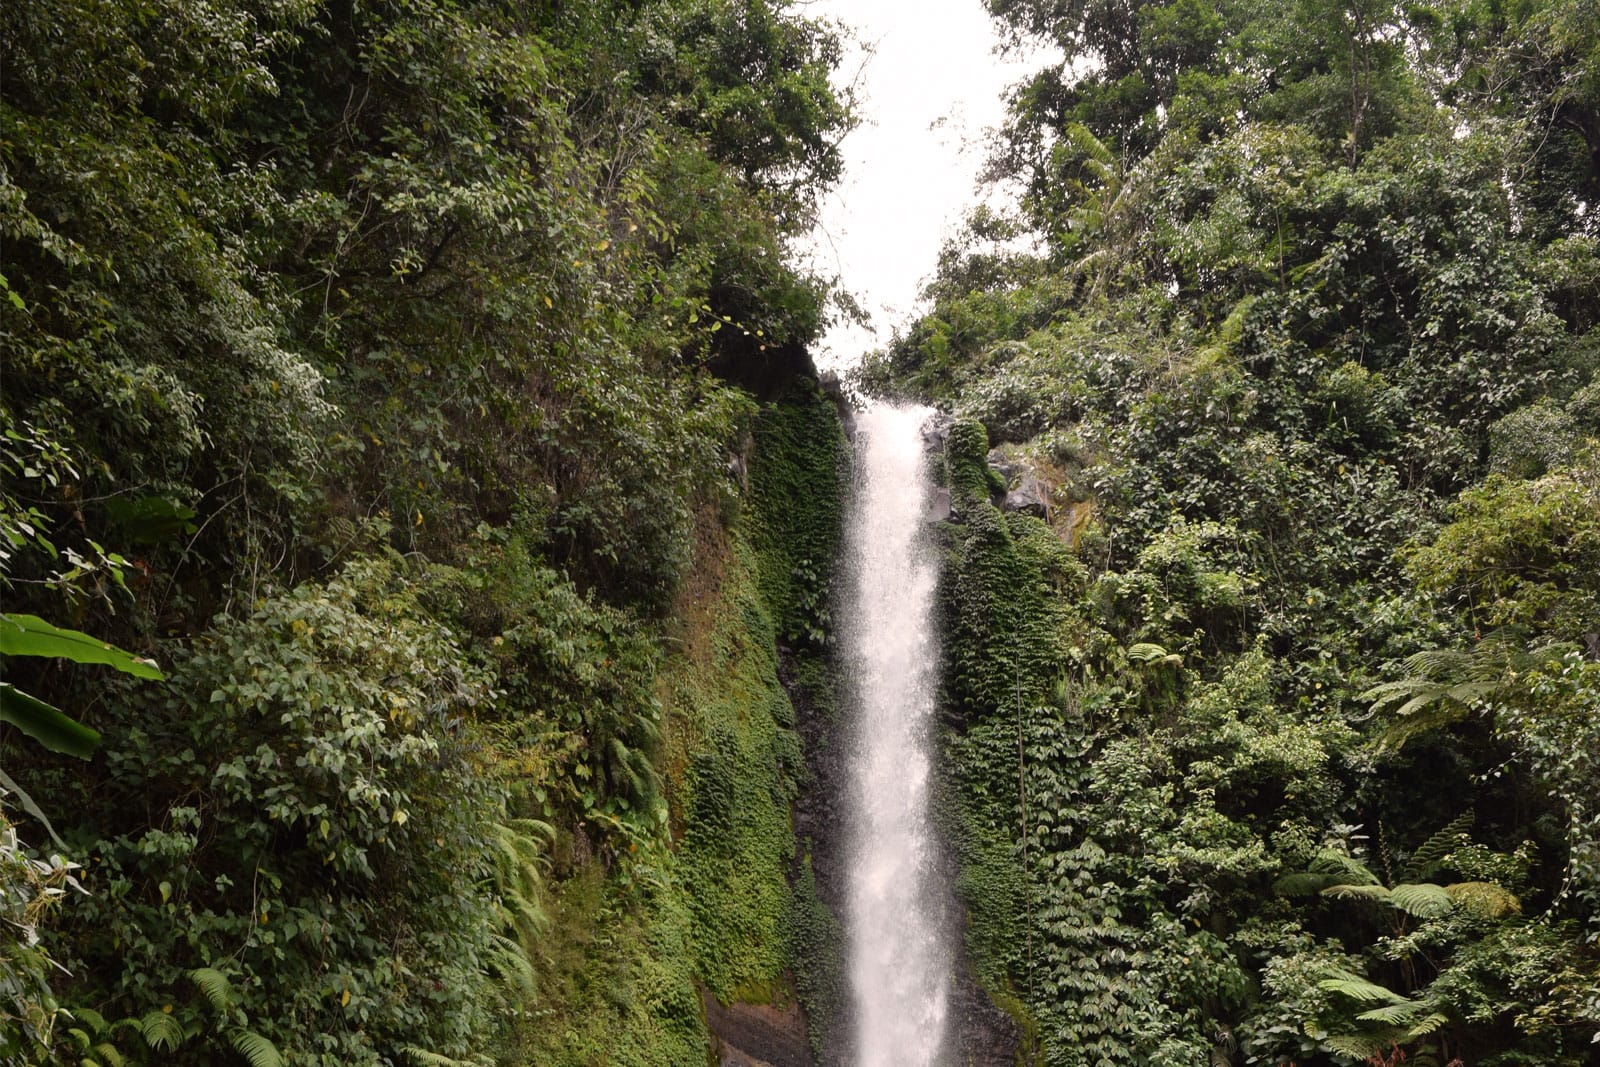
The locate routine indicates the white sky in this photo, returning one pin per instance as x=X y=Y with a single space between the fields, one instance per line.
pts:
x=932 y=83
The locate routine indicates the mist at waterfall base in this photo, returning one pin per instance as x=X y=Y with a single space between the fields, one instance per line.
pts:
x=899 y=962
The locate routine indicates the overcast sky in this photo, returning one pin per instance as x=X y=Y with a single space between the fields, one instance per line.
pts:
x=930 y=85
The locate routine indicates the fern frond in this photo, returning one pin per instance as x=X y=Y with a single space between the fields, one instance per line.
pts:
x=1485 y=898
x=1355 y=1046
x=1426 y=859
x=1347 y=869
x=1424 y=900
x=109 y=1055
x=253 y=1047
x=1303 y=884
x=1357 y=988
x=1426 y=1025
x=1437 y=716
x=509 y=960
x=423 y=1058
x=95 y=1021
x=1146 y=653
x=1401 y=1014
x=215 y=985
x=161 y=1031
x=1359 y=892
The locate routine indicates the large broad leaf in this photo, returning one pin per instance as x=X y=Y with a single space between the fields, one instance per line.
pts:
x=30 y=807
x=48 y=725
x=29 y=635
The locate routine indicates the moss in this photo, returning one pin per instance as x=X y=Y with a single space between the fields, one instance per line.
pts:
x=726 y=904
x=797 y=471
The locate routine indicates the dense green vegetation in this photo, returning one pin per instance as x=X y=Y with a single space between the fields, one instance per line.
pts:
x=1274 y=742
x=370 y=368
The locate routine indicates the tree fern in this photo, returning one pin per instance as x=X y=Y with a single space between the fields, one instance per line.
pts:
x=1349 y=984
x=1424 y=900
x=1485 y=898
x=1359 y=892
x=1442 y=686
x=1427 y=858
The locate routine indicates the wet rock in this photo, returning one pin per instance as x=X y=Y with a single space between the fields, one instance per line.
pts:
x=938 y=506
x=1002 y=463
x=1029 y=497
x=758 y=1035
x=936 y=432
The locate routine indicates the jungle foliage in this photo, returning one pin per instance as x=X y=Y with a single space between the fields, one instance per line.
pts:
x=367 y=367
x=1274 y=743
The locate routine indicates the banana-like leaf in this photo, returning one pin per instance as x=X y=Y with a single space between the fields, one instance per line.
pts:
x=29 y=635
x=30 y=807
x=46 y=724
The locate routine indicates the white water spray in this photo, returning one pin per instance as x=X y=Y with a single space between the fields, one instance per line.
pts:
x=899 y=966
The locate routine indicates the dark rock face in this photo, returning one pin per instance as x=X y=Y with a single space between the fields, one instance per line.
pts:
x=758 y=1035
x=820 y=828
x=936 y=432
x=1029 y=497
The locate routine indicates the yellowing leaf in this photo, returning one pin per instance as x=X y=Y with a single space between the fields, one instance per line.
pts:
x=344 y=999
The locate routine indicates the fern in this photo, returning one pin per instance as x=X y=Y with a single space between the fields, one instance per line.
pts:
x=1401 y=1014
x=1424 y=900
x=1348 y=870
x=1355 y=1046
x=1356 y=987
x=161 y=1031
x=423 y=1058
x=216 y=987
x=1427 y=859
x=1485 y=898
x=1360 y=892
x=1428 y=1024
x=253 y=1047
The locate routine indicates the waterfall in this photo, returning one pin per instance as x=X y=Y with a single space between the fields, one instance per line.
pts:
x=899 y=965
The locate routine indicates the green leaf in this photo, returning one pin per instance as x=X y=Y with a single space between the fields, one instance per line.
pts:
x=1358 y=988
x=29 y=635
x=1424 y=900
x=148 y=519
x=161 y=1031
x=255 y=1048
x=30 y=807
x=213 y=983
x=48 y=725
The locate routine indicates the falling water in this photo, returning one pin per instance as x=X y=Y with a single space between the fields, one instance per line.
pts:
x=898 y=964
